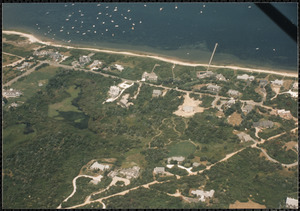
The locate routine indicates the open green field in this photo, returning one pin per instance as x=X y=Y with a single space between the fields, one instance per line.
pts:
x=181 y=149
x=8 y=59
x=29 y=85
x=66 y=104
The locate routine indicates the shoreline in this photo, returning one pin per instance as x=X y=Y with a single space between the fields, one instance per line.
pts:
x=32 y=38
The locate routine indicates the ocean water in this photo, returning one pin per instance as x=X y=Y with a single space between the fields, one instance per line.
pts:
x=188 y=31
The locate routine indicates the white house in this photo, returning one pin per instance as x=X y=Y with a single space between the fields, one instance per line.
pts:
x=176 y=158
x=159 y=170
x=245 y=77
x=291 y=203
x=295 y=85
x=114 y=91
x=203 y=195
x=277 y=82
x=99 y=166
x=233 y=92
x=119 y=67
x=188 y=109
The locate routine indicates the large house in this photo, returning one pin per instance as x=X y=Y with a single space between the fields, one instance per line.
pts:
x=277 y=82
x=11 y=93
x=220 y=77
x=159 y=170
x=114 y=91
x=99 y=166
x=118 y=67
x=156 y=93
x=176 y=158
x=244 y=137
x=188 y=109
x=149 y=77
x=263 y=124
x=84 y=59
x=203 y=195
x=213 y=88
x=206 y=74
x=291 y=203
x=233 y=93
x=247 y=108
x=245 y=77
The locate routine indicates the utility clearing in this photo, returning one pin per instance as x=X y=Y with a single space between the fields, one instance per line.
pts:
x=189 y=107
x=246 y=205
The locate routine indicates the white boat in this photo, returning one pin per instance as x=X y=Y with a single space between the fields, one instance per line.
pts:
x=106 y=30
x=99 y=13
x=112 y=21
x=83 y=33
x=140 y=21
x=176 y=7
x=145 y=5
x=103 y=22
x=98 y=5
x=81 y=14
x=67 y=19
x=72 y=27
x=97 y=18
x=160 y=9
x=128 y=10
x=61 y=30
x=116 y=26
x=93 y=26
x=95 y=32
x=133 y=24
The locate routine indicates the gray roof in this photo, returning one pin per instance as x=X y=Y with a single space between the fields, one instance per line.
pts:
x=157 y=92
x=264 y=124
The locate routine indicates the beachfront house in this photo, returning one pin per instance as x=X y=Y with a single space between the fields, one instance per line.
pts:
x=263 y=83
x=295 y=85
x=245 y=77
x=206 y=74
x=220 y=77
x=203 y=195
x=152 y=77
x=277 y=82
x=118 y=67
x=95 y=65
x=84 y=60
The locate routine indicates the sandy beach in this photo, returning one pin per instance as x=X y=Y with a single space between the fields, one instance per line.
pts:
x=33 y=39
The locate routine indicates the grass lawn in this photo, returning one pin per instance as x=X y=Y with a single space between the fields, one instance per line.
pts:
x=181 y=149
x=66 y=104
x=14 y=135
x=29 y=84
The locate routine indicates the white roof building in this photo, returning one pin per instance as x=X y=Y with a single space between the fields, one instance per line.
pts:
x=156 y=93
x=149 y=76
x=244 y=137
x=113 y=91
x=176 y=158
x=295 y=85
x=99 y=166
x=245 y=77
x=203 y=194
x=159 y=170
x=277 y=82
x=220 y=77
x=119 y=67
x=233 y=92
x=291 y=203
x=293 y=94
x=188 y=109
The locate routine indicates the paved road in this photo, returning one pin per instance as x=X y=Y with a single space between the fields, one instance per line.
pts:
x=24 y=74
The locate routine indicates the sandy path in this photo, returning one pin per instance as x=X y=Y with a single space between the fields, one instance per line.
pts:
x=32 y=38
x=189 y=102
x=246 y=205
x=24 y=74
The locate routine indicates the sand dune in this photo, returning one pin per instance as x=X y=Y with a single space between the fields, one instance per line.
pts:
x=33 y=39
